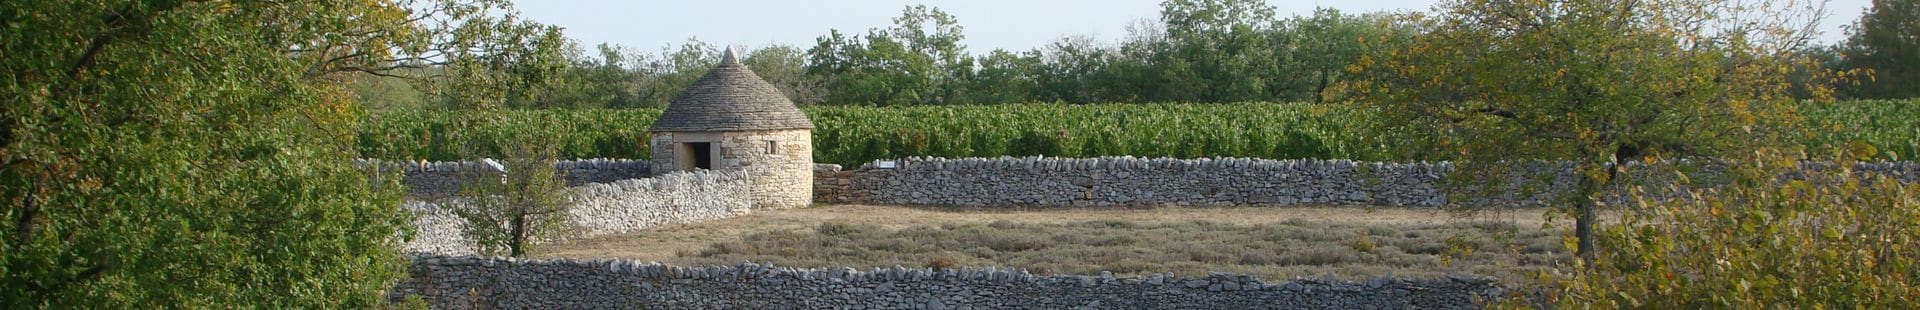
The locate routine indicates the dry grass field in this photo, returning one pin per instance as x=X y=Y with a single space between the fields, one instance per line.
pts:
x=1275 y=243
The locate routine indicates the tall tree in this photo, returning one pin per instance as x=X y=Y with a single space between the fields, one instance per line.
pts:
x=918 y=60
x=592 y=81
x=1005 y=77
x=1218 y=51
x=193 y=154
x=1324 y=44
x=1072 y=70
x=1886 y=42
x=496 y=59
x=1597 y=83
x=784 y=66
x=662 y=78
x=936 y=35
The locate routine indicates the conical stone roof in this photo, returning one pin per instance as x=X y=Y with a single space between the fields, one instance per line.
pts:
x=731 y=98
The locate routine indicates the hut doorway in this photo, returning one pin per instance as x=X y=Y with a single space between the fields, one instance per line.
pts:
x=700 y=156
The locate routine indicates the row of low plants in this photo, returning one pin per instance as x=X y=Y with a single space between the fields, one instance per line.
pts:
x=855 y=135
x=1892 y=127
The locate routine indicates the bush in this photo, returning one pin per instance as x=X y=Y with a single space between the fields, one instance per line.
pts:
x=1834 y=241
x=1363 y=244
x=941 y=262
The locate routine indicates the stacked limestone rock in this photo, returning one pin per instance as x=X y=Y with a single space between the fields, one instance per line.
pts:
x=436 y=230
x=469 y=282
x=607 y=208
x=1128 y=181
x=674 y=198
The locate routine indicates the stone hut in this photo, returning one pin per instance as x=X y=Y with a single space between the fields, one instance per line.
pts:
x=731 y=119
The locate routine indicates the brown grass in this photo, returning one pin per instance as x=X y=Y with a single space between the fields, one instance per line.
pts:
x=1276 y=243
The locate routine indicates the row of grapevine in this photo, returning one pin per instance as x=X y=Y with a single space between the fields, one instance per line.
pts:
x=1892 y=127
x=435 y=135
x=854 y=135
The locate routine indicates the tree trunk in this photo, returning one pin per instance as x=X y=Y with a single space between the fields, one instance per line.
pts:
x=519 y=230
x=1319 y=92
x=1583 y=222
x=1583 y=208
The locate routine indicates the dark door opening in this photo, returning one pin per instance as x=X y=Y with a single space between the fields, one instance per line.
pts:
x=702 y=155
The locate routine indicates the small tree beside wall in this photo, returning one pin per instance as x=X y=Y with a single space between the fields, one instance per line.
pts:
x=511 y=202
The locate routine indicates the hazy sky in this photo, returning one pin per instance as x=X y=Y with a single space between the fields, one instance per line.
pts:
x=989 y=24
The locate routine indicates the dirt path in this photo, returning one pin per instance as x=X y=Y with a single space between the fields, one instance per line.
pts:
x=663 y=243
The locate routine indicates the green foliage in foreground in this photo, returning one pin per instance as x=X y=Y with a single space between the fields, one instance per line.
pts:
x=166 y=154
x=1835 y=241
x=856 y=135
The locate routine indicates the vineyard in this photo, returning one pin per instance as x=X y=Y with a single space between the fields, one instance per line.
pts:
x=854 y=135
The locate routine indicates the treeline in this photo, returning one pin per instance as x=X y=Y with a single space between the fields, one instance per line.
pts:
x=1203 y=51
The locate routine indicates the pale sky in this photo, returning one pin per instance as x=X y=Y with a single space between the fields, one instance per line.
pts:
x=1010 y=24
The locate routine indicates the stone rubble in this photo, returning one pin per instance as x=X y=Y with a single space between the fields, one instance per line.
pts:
x=606 y=208
x=451 y=282
x=1151 y=182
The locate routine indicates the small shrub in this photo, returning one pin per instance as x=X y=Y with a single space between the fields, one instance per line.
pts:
x=1423 y=246
x=1259 y=257
x=1459 y=246
x=1363 y=244
x=1005 y=224
x=1012 y=241
x=1109 y=223
x=1321 y=256
x=941 y=262
x=841 y=228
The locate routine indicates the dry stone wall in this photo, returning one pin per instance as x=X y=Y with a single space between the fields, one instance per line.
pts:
x=606 y=208
x=433 y=180
x=502 y=283
x=1128 y=181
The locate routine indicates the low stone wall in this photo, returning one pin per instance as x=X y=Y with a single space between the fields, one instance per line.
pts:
x=434 y=180
x=1127 y=181
x=501 y=283
x=607 y=208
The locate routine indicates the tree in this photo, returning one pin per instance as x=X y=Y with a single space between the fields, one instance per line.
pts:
x=1596 y=83
x=194 y=154
x=495 y=58
x=784 y=66
x=675 y=70
x=1886 y=42
x=508 y=207
x=904 y=64
x=1324 y=44
x=1005 y=77
x=1073 y=69
x=1218 y=51
x=592 y=82
x=936 y=35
